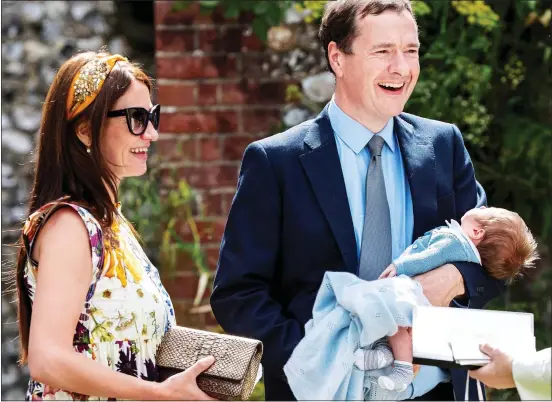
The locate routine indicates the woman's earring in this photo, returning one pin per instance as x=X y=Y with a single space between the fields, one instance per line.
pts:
x=87 y=150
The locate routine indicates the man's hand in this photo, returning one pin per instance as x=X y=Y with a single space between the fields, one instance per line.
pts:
x=389 y=272
x=441 y=285
x=496 y=374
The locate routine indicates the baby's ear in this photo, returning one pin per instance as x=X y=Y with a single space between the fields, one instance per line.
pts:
x=478 y=233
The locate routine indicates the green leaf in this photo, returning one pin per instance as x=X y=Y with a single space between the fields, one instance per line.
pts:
x=180 y=5
x=261 y=7
x=232 y=11
x=547 y=222
x=209 y=3
x=547 y=52
x=260 y=28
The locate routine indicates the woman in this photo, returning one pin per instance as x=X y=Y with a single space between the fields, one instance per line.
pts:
x=92 y=309
x=530 y=374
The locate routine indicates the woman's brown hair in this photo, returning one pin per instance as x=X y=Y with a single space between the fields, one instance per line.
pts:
x=63 y=166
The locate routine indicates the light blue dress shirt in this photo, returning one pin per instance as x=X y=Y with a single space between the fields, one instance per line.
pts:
x=352 y=139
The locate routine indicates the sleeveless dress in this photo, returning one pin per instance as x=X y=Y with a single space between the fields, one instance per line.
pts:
x=127 y=310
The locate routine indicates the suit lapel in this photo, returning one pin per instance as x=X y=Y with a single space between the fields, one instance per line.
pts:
x=323 y=169
x=419 y=161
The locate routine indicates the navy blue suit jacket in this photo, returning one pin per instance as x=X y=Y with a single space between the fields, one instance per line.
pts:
x=290 y=222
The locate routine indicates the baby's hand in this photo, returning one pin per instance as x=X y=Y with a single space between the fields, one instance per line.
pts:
x=389 y=272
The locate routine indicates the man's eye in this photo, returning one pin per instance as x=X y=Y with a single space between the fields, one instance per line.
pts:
x=382 y=51
x=413 y=51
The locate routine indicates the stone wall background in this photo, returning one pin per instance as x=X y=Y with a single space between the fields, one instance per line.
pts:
x=37 y=37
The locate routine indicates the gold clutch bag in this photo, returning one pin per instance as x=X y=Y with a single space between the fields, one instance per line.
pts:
x=231 y=377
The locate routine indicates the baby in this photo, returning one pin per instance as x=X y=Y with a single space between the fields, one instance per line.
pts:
x=496 y=238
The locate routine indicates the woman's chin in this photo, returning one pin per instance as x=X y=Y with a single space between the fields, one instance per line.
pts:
x=135 y=172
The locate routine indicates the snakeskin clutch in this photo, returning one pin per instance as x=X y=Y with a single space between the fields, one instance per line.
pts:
x=231 y=377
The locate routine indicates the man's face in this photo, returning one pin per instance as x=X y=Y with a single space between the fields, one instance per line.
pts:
x=383 y=70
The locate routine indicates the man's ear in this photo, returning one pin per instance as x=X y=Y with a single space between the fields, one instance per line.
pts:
x=84 y=133
x=335 y=57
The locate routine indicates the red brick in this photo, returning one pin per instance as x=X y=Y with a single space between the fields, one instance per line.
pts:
x=176 y=95
x=253 y=65
x=227 y=202
x=175 y=41
x=234 y=93
x=210 y=149
x=221 y=39
x=212 y=255
x=208 y=38
x=261 y=121
x=234 y=146
x=172 y=150
x=182 y=286
x=211 y=321
x=212 y=204
x=203 y=122
x=252 y=43
x=210 y=176
x=253 y=92
x=184 y=317
x=190 y=67
x=207 y=94
x=271 y=92
x=164 y=13
x=209 y=231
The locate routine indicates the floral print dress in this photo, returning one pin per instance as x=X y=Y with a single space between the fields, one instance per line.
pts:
x=127 y=310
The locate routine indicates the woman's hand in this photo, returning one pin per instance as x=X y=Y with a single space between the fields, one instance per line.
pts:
x=183 y=386
x=496 y=374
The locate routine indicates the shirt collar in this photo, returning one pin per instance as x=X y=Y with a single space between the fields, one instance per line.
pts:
x=456 y=228
x=354 y=134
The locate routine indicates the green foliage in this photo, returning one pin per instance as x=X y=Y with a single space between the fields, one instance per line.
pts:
x=312 y=10
x=420 y=8
x=478 y=13
x=156 y=215
x=258 y=392
x=486 y=67
x=494 y=83
x=266 y=13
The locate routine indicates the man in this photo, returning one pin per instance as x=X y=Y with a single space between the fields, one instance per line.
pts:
x=347 y=191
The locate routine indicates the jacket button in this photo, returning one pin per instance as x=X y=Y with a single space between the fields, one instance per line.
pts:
x=480 y=289
x=415 y=246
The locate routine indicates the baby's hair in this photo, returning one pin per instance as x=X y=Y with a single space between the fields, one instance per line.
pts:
x=508 y=248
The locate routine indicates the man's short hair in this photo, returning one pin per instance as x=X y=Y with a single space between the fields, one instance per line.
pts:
x=339 y=20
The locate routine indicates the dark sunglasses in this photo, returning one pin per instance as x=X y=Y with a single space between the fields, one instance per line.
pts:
x=137 y=118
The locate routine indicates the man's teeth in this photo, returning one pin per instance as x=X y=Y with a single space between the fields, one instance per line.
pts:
x=138 y=150
x=391 y=85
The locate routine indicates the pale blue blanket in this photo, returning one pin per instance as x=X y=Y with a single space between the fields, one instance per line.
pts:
x=350 y=313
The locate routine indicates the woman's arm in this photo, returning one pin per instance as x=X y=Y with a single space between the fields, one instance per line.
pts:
x=65 y=273
x=530 y=374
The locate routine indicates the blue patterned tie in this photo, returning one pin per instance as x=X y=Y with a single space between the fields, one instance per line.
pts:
x=375 y=251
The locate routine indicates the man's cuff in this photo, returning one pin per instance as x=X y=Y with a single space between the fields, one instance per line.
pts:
x=461 y=304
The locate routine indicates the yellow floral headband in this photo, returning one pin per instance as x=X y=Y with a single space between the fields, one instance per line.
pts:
x=88 y=82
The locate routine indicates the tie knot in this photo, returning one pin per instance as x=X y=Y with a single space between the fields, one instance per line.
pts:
x=376 y=145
